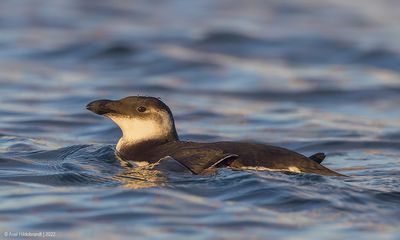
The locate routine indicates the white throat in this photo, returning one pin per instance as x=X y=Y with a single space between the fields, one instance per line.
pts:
x=135 y=130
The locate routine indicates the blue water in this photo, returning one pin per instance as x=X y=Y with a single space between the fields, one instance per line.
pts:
x=308 y=75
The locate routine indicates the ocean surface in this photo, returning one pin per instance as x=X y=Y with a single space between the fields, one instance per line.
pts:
x=307 y=75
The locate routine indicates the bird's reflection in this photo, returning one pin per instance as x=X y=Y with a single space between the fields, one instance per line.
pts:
x=141 y=177
x=137 y=177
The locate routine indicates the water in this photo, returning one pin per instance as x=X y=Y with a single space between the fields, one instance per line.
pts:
x=308 y=75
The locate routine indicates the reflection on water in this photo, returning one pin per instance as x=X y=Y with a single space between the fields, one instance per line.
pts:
x=141 y=178
x=308 y=75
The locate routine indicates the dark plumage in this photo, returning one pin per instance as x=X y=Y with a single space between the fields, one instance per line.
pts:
x=149 y=136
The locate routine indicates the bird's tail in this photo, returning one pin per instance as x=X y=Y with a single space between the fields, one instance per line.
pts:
x=318 y=157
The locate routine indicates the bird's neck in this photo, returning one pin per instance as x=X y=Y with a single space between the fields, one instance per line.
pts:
x=141 y=135
x=139 y=132
x=142 y=151
x=127 y=143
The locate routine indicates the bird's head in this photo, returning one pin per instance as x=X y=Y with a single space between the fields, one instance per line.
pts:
x=139 y=118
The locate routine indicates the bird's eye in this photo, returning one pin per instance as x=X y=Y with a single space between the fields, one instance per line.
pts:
x=141 y=109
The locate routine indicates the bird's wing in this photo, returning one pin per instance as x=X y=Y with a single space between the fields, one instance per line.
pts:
x=198 y=159
x=170 y=164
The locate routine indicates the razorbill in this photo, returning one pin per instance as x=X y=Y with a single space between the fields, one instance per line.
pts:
x=149 y=137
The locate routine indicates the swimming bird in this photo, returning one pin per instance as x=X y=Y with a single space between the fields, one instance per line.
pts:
x=149 y=136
